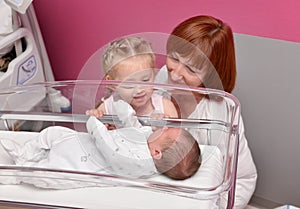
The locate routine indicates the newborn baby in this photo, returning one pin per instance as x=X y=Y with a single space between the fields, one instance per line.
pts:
x=133 y=152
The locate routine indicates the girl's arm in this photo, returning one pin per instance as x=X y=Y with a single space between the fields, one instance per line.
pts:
x=169 y=108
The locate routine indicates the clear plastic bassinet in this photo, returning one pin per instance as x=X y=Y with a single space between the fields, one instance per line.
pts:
x=213 y=186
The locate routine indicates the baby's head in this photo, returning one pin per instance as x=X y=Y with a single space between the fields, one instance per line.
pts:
x=175 y=153
x=126 y=57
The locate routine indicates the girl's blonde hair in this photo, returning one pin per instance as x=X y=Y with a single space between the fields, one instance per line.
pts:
x=124 y=48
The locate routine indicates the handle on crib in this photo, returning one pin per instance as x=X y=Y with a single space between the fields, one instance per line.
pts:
x=113 y=119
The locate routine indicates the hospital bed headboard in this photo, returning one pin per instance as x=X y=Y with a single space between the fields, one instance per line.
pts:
x=268 y=89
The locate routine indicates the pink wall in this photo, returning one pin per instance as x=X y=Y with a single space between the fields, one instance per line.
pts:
x=74 y=29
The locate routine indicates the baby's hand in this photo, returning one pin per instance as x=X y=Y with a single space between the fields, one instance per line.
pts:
x=95 y=112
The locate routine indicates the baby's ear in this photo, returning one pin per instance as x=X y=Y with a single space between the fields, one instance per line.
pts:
x=157 y=154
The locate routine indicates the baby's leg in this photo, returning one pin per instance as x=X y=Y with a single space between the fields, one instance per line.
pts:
x=37 y=148
x=6 y=159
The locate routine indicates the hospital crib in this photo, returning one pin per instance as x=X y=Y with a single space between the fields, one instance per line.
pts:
x=213 y=185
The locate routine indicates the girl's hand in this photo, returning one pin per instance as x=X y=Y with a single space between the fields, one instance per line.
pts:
x=98 y=114
x=95 y=112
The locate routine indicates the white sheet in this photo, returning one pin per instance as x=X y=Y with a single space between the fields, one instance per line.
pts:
x=209 y=175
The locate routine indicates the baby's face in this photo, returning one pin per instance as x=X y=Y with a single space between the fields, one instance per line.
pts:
x=135 y=69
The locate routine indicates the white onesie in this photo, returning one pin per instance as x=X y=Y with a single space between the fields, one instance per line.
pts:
x=121 y=152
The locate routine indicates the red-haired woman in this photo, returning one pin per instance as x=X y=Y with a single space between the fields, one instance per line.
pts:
x=200 y=53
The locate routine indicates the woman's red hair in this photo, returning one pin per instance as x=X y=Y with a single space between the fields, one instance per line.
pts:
x=215 y=40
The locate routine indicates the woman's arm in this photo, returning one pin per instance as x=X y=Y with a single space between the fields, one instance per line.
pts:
x=246 y=171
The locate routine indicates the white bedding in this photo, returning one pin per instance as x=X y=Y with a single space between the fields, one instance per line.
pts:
x=209 y=175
